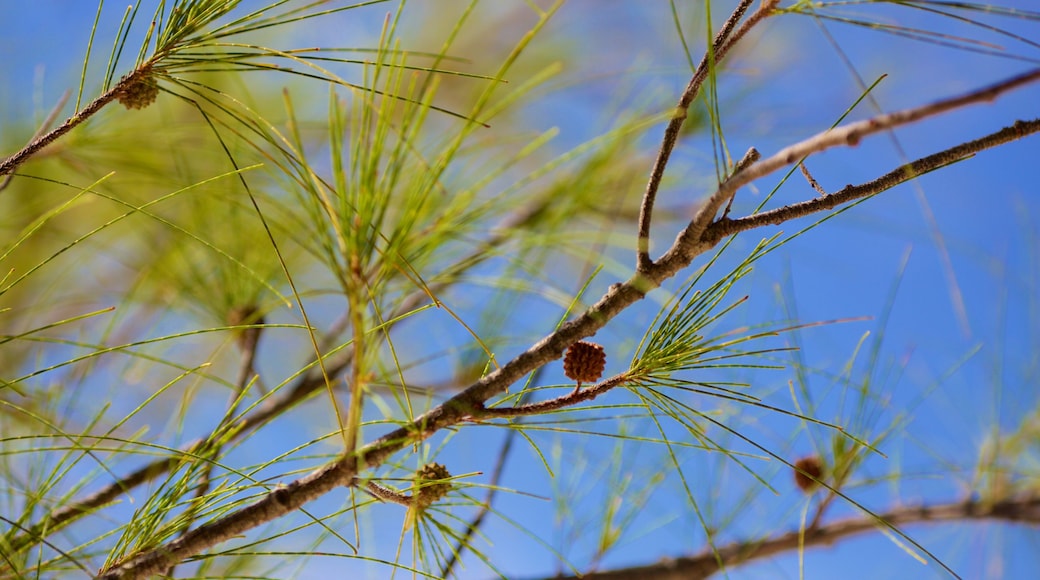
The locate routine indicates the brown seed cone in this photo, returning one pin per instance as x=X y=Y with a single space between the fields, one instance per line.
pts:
x=431 y=492
x=584 y=362
x=809 y=465
x=141 y=92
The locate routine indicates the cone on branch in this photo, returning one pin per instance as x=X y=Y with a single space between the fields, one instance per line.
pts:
x=584 y=362
x=808 y=470
x=141 y=91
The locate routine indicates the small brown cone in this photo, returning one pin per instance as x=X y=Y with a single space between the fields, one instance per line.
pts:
x=584 y=362
x=140 y=92
x=431 y=492
x=426 y=493
x=808 y=465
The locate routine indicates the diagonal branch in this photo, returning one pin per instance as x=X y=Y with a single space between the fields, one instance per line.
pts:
x=726 y=227
x=470 y=402
x=692 y=241
x=8 y=165
x=1024 y=509
x=851 y=134
x=274 y=407
x=51 y=117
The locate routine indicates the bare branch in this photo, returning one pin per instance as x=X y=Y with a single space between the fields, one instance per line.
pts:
x=812 y=180
x=724 y=41
x=726 y=227
x=1025 y=509
x=691 y=241
x=851 y=134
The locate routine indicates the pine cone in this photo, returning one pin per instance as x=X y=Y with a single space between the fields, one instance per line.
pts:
x=140 y=92
x=584 y=362
x=426 y=495
x=812 y=466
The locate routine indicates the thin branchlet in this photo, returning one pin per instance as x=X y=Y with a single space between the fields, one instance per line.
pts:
x=725 y=40
x=1024 y=508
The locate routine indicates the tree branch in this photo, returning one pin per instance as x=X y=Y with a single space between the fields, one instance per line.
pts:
x=570 y=399
x=1024 y=509
x=725 y=227
x=693 y=242
x=706 y=213
x=470 y=402
x=724 y=41
x=11 y=163
x=306 y=386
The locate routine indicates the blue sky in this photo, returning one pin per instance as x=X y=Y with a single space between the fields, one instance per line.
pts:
x=968 y=234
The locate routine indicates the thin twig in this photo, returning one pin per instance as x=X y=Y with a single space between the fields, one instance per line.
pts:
x=383 y=493
x=724 y=41
x=750 y=157
x=470 y=402
x=47 y=122
x=692 y=242
x=11 y=163
x=727 y=227
x=1024 y=509
x=812 y=180
x=563 y=401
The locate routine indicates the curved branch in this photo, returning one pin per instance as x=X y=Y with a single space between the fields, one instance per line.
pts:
x=725 y=39
x=1024 y=509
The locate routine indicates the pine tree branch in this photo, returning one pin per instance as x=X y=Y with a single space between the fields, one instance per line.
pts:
x=569 y=400
x=470 y=402
x=725 y=39
x=1024 y=509
x=725 y=227
x=692 y=241
x=306 y=386
x=12 y=162
x=44 y=126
